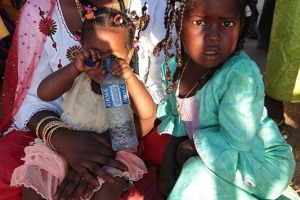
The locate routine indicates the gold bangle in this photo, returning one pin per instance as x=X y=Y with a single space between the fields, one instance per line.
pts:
x=49 y=136
x=40 y=123
x=50 y=133
x=47 y=127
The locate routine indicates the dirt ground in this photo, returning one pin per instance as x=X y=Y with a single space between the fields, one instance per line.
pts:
x=292 y=115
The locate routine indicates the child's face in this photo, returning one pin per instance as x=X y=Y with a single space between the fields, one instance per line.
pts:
x=109 y=41
x=210 y=31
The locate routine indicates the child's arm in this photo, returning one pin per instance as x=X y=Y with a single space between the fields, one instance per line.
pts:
x=57 y=83
x=142 y=103
x=169 y=170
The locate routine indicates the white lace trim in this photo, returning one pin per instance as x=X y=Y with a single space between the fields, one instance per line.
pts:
x=65 y=118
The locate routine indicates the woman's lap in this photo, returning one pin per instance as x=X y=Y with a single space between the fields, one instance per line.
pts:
x=12 y=150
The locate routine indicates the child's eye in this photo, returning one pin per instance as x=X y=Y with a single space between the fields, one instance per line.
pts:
x=228 y=24
x=199 y=23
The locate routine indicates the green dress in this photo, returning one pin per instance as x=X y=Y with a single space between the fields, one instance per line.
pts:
x=242 y=154
x=282 y=75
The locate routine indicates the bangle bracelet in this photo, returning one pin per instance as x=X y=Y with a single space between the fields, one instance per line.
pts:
x=40 y=123
x=48 y=131
x=47 y=127
x=49 y=136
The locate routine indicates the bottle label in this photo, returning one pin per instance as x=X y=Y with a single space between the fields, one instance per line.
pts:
x=115 y=95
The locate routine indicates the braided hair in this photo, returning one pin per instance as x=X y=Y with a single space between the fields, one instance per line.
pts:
x=134 y=62
x=108 y=17
x=171 y=14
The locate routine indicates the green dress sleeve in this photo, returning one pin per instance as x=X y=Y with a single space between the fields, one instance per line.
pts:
x=232 y=144
x=167 y=110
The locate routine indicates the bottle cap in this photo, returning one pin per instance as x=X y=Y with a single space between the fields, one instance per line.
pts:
x=107 y=61
x=90 y=62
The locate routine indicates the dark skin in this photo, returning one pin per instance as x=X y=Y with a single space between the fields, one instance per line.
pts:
x=170 y=169
x=85 y=151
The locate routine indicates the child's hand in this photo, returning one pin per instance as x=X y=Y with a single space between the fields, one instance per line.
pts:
x=120 y=67
x=74 y=186
x=92 y=56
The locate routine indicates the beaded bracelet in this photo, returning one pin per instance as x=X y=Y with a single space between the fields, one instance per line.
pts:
x=40 y=123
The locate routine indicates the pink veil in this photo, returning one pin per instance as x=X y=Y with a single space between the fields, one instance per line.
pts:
x=26 y=49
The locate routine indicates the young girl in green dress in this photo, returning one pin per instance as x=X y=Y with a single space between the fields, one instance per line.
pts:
x=223 y=146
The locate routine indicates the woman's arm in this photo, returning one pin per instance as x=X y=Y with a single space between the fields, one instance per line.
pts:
x=85 y=151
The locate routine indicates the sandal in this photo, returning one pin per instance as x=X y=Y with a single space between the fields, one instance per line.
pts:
x=283 y=129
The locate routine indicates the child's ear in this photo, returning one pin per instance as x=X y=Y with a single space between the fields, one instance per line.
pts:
x=130 y=55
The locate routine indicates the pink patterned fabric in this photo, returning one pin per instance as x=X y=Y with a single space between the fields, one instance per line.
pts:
x=45 y=169
x=20 y=67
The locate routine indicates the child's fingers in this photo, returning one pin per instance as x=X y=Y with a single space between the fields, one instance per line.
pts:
x=89 y=191
x=68 y=185
x=93 y=54
x=120 y=68
x=98 y=171
x=80 y=189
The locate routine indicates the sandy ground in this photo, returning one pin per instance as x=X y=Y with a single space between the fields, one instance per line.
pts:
x=292 y=114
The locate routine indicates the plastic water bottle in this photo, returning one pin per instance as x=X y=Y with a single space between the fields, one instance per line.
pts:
x=120 y=115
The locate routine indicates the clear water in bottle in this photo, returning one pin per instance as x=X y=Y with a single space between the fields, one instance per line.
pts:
x=120 y=115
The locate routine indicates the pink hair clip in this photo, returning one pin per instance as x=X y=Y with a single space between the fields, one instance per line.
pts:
x=118 y=17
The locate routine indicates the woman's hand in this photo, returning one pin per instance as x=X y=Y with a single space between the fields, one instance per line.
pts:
x=74 y=187
x=87 y=153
